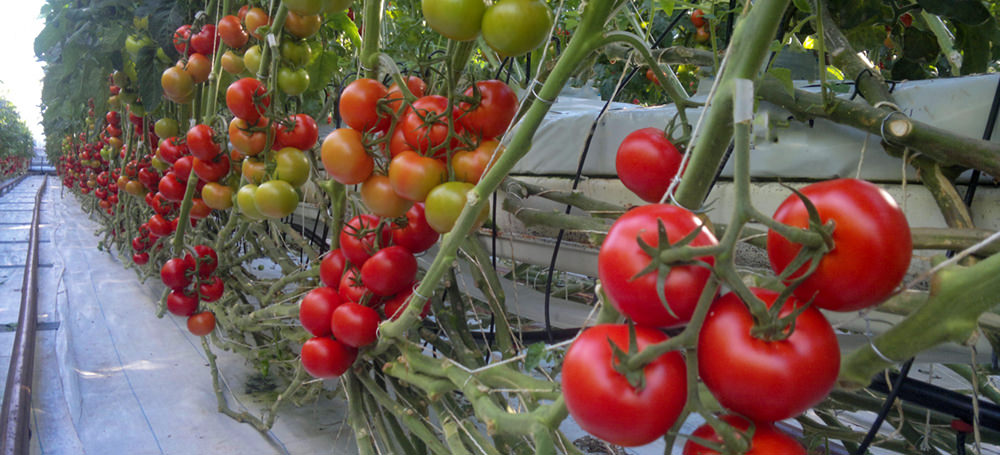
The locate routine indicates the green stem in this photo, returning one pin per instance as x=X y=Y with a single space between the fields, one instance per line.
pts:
x=369 y=40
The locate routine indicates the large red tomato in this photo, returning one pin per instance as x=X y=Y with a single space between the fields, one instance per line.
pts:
x=621 y=259
x=872 y=244
x=415 y=235
x=331 y=268
x=767 y=440
x=389 y=271
x=359 y=103
x=425 y=125
x=496 y=109
x=316 y=309
x=354 y=324
x=358 y=238
x=245 y=98
x=301 y=134
x=324 y=357
x=766 y=380
x=604 y=403
x=647 y=162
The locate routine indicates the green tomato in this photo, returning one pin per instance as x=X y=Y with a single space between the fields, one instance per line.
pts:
x=251 y=59
x=303 y=6
x=445 y=202
x=292 y=166
x=455 y=19
x=276 y=199
x=514 y=27
x=293 y=82
x=159 y=164
x=296 y=53
x=165 y=127
x=246 y=201
x=135 y=43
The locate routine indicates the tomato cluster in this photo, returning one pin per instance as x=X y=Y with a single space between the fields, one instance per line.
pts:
x=191 y=280
x=510 y=27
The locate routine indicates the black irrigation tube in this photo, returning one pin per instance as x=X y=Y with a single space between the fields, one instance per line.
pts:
x=16 y=408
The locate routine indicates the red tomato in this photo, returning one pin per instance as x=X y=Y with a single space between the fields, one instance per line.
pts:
x=389 y=271
x=470 y=165
x=171 y=149
x=393 y=308
x=358 y=239
x=869 y=225
x=232 y=33
x=397 y=143
x=182 y=36
x=205 y=41
x=621 y=259
x=245 y=98
x=414 y=84
x=352 y=289
x=256 y=17
x=325 y=358
x=414 y=233
x=767 y=440
x=766 y=380
x=496 y=109
x=201 y=324
x=604 y=403
x=211 y=289
x=358 y=105
x=317 y=308
x=159 y=226
x=331 y=268
x=698 y=18
x=647 y=162
x=180 y=303
x=207 y=260
x=354 y=324
x=171 y=187
x=199 y=210
x=182 y=169
x=140 y=258
x=344 y=157
x=425 y=126
x=201 y=143
x=302 y=133
x=212 y=170
x=413 y=176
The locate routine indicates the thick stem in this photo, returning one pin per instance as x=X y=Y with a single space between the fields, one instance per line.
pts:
x=369 y=40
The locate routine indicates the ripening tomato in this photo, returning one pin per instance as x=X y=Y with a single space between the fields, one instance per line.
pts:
x=701 y=35
x=425 y=125
x=358 y=240
x=603 y=402
x=378 y=195
x=249 y=138
x=766 y=380
x=491 y=117
x=354 y=324
x=514 y=27
x=251 y=58
x=389 y=271
x=246 y=99
x=331 y=268
x=276 y=199
x=232 y=33
x=199 y=210
x=344 y=157
x=647 y=162
x=470 y=165
x=253 y=171
x=201 y=324
x=413 y=176
x=302 y=25
x=246 y=201
x=178 y=85
x=291 y=165
x=415 y=235
x=868 y=225
x=182 y=303
x=457 y=20
x=217 y=195
x=359 y=103
x=256 y=17
x=316 y=309
x=445 y=202
x=325 y=358
x=232 y=62
x=767 y=440
x=621 y=260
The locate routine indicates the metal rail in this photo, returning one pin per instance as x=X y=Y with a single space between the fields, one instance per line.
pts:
x=16 y=408
x=11 y=184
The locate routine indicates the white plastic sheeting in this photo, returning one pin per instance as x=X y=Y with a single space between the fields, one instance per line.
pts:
x=782 y=149
x=112 y=378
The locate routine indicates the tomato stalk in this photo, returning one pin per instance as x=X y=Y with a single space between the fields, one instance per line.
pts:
x=267 y=60
x=370 y=37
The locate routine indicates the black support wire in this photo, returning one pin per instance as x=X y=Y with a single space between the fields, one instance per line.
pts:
x=579 y=173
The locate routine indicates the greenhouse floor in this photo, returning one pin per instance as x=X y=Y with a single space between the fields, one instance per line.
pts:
x=112 y=378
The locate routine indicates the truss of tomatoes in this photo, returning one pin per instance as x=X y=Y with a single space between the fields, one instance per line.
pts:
x=191 y=280
x=762 y=379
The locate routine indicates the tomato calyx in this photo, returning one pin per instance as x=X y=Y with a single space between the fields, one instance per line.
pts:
x=620 y=360
x=664 y=256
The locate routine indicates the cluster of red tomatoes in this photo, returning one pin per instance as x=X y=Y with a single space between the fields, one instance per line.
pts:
x=760 y=378
x=10 y=165
x=191 y=281
x=368 y=279
x=428 y=151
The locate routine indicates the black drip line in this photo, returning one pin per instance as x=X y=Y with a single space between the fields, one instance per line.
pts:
x=901 y=379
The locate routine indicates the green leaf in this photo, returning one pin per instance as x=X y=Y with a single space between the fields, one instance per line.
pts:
x=803 y=5
x=977 y=44
x=533 y=356
x=344 y=23
x=971 y=12
x=785 y=76
x=667 y=6
x=148 y=74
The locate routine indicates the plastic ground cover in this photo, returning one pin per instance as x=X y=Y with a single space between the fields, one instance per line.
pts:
x=112 y=378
